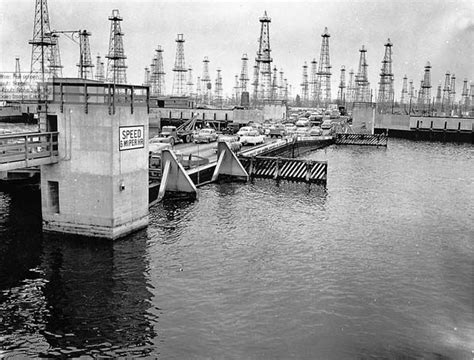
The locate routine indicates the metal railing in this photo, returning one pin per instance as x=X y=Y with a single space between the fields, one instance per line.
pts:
x=28 y=149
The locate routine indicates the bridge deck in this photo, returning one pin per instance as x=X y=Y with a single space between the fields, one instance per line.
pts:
x=28 y=149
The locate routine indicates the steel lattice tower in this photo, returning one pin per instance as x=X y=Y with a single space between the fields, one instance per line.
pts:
x=41 y=42
x=244 y=74
x=116 y=68
x=99 y=72
x=263 y=71
x=55 y=67
x=146 y=77
x=446 y=91
x=198 y=88
x=206 y=81
x=179 y=69
x=313 y=83
x=438 y=99
x=411 y=92
x=350 y=88
x=361 y=81
x=236 y=92
x=304 y=85
x=158 y=74
x=281 y=86
x=341 y=95
x=274 y=90
x=452 y=91
x=426 y=87
x=385 y=96
x=218 y=89
x=85 y=59
x=17 y=73
x=324 y=71
x=464 y=96
x=190 y=83
x=404 y=95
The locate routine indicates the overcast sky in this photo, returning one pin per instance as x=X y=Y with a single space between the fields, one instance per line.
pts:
x=441 y=32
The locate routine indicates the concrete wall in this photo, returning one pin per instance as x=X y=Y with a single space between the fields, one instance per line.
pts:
x=204 y=114
x=363 y=118
x=91 y=170
x=392 y=121
x=442 y=123
x=274 y=112
x=244 y=116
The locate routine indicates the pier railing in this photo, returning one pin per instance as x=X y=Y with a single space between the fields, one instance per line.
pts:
x=28 y=149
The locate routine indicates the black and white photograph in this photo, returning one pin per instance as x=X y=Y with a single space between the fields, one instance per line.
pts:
x=203 y=179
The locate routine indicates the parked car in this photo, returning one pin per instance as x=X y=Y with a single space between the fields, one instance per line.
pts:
x=156 y=144
x=326 y=125
x=244 y=130
x=252 y=138
x=315 y=131
x=290 y=128
x=277 y=130
x=205 y=135
x=232 y=141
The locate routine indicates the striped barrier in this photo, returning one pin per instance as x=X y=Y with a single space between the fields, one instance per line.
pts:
x=361 y=139
x=285 y=169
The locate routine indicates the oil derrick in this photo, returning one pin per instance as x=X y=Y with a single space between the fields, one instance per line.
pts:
x=55 y=67
x=281 y=86
x=324 y=71
x=198 y=89
x=42 y=41
x=426 y=87
x=99 y=72
x=341 y=95
x=362 y=85
x=85 y=60
x=263 y=72
x=206 y=81
x=438 y=98
x=305 y=85
x=350 y=88
x=404 y=95
x=452 y=92
x=411 y=92
x=158 y=74
x=464 y=97
x=218 y=89
x=446 y=91
x=420 y=97
x=313 y=83
x=17 y=73
x=190 y=83
x=236 y=92
x=179 y=69
x=244 y=74
x=385 y=96
x=116 y=68
x=146 y=78
x=274 y=93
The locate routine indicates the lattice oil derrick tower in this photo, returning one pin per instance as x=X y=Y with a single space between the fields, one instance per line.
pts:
x=244 y=74
x=263 y=71
x=146 y=77
x=385 y=95
x=427 y=87
x=198 y=89
x=41 y=42
x=158 y=76
x=281 y=86
x=404 y=95
x=313 y=83
x=99 y=72
x=305 y=85
x=179 y=82
x=464 y=96
x=85 y=59
x=206 y=81
x=151 y=73
x=341 y=94
x=236 y=92
x=411 y=92
x=452 y=92
x=420 y=97
x=438 y=99
x=190 y=83
x=350 y=88
x=116 y=68
x=446 y=91
x=274 y=92
x=361 y=81
x=55 y=67
x=17 y=73
x=324 y=71
x=218 y=89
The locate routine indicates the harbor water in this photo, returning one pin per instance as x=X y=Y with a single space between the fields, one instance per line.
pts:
x=379 y=264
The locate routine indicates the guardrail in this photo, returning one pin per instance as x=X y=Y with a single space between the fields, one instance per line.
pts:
x=28 y=149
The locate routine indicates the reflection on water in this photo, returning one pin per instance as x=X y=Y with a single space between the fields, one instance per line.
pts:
x=378 y=264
